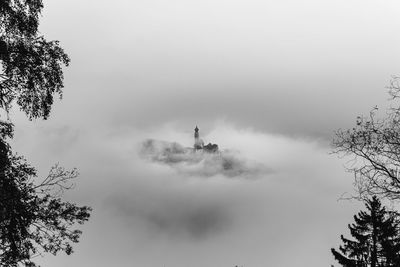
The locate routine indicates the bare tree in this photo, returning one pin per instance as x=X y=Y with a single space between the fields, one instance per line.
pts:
x=372 y=150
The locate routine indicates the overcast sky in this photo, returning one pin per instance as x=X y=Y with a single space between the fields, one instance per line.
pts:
x=268 y=80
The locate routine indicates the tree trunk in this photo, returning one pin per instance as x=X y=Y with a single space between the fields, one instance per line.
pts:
x=374 y=261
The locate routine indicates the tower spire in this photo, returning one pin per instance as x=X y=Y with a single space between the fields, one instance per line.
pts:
x=197 y=141
x=196 y=133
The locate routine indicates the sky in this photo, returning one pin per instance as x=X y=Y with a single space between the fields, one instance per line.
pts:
x=268 y=81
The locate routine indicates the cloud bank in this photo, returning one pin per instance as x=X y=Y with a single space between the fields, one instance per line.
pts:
x=160 y=202
x=183 y=216
x=200 y=163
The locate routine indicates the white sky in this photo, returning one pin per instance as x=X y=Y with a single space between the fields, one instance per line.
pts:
x=271 y=79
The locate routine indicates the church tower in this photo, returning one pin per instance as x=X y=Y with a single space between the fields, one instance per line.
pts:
x=198 y=143
x=196 y=134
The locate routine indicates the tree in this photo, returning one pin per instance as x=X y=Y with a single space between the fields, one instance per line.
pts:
x=373 y=147
x=33 y=217
x=377 y=241
x=31 y=66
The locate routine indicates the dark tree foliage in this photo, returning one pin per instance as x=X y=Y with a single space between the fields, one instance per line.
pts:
x=376 y=240
x=373 y=150
x=33 y=218
x=31 y=70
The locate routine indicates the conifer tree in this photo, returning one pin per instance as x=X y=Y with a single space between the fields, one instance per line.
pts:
x=376 y=240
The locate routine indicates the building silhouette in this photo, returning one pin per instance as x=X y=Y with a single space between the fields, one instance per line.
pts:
x=199 y=143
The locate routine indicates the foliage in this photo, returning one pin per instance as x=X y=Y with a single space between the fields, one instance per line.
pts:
x=373 y=147
x=33 y=218
x=31 y=66
x=377 y=241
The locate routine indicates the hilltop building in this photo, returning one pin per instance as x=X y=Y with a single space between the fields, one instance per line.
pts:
x=199 y=144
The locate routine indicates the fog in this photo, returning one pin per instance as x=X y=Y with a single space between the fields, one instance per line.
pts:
x=268 y=81
x=144 y=206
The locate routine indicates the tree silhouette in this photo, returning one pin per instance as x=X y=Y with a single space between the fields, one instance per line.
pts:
x=376 y=239
x=33 y=218
x=31 y=66
x=373 y=147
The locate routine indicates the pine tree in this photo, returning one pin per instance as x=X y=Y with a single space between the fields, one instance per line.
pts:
x=376 y=239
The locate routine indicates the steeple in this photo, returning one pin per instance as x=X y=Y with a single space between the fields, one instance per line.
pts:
x=198 y=143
